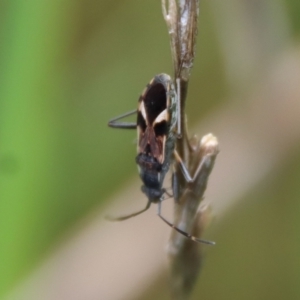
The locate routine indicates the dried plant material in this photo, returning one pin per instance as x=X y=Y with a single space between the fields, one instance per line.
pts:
x=181 y=18
x=187 y=262
x=201 y=162
x=185 y=255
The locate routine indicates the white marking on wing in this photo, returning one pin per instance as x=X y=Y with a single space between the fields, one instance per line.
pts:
x=163 y=116
x=143 y=111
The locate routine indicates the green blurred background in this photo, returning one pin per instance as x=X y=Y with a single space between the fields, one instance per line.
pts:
x=67 y=67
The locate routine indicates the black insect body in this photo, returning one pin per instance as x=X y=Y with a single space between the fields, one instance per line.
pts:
x=157 y=127
x=156 y=136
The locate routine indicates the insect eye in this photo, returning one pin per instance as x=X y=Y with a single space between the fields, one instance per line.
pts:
x=161 y=128
x=141 y=122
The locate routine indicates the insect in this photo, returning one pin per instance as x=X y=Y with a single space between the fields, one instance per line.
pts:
x=158 y=126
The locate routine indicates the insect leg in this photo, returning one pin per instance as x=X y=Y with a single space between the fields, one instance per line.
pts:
x=175 y=186
x=123 y=125
x=122 y=218
x=184 y=169
x=187 y=235
x=178 y=108
x=168 y=194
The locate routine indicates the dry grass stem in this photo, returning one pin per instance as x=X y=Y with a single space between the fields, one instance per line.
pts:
x=185 y=256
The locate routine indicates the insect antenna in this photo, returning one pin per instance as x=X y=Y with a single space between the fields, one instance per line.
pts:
x=122 y=218
x=187 y=235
